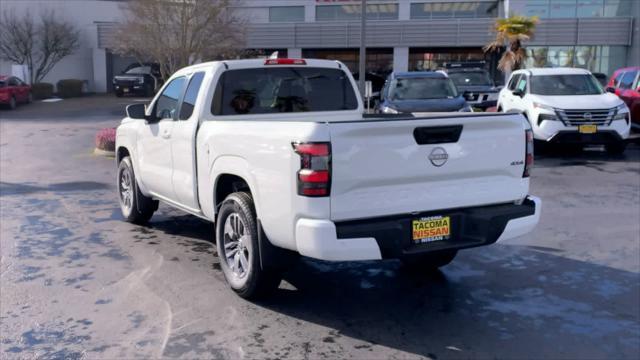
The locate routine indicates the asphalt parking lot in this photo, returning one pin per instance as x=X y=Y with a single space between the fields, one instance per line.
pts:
x=78 y=282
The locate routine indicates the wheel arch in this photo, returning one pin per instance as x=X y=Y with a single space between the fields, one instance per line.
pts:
x=227 y=174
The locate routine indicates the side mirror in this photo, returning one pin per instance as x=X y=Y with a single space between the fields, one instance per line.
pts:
x=610 y=89
x=518 y=92
x=136 y=111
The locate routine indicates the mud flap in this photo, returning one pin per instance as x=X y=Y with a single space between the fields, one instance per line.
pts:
x=273 y=257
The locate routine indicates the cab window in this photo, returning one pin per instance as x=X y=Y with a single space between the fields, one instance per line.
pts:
x=522 y=84
x=167 y=103
x=283 y=90
x=190 y=96
x=514 y=81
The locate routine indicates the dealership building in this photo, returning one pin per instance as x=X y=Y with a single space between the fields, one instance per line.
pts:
x=600 y=35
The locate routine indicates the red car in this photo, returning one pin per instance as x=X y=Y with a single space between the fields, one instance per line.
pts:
x=14 y=91
x=626 y=84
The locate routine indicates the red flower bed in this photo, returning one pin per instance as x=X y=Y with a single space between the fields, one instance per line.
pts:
x=106 y=139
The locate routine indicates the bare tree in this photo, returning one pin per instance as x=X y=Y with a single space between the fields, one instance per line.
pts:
x=38 y=43
x=177 y=33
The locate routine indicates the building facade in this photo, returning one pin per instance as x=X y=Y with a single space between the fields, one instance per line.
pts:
x=600 y=35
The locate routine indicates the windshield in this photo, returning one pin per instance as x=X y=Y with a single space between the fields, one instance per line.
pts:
x=423 y=88
x=565 y=85
x=283 y=90
x=139 y=70
x=471 y=78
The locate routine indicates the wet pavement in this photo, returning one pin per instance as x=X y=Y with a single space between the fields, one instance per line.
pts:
x=78 y=282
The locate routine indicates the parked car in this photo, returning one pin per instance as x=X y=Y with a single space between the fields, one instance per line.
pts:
x=567 y=106
x=626 y=84
x=602 y=78
x=278 y=154
x=475 y=84
x=420 y=91
x=14 y=91
x=138 y=79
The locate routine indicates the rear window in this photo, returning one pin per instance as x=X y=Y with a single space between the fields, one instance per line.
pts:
x=283 y=90
x=422 y=89
x=2 y=83
x=471 y=78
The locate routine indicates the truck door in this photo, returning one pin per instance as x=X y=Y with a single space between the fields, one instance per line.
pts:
x=183 y=145
x=154 y=142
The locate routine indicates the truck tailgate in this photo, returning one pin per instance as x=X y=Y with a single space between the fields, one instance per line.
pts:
x=396 y=166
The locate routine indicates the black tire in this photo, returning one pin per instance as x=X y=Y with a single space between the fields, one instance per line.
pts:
x=12 y=103
x=119 y=93
x=430 y=262
x=249 y=281
x=616 y=148
x=135 y=206
x=30 y=98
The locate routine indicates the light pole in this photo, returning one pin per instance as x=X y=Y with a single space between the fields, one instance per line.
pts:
x=363 y=52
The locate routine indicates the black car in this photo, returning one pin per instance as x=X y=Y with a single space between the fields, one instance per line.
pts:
x=476 y=85
x=139 y=79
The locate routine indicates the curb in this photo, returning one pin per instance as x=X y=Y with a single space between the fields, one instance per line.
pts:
x=101 y=152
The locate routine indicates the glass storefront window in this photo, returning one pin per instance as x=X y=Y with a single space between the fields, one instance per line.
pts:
x=571 y=8
x=286 y=13
x=614 y=8
x=590 y=8
x=443 y=10
x=562 y=8
x=600 y=59
x=434 y=59
x=352 y=12
x=378 y=61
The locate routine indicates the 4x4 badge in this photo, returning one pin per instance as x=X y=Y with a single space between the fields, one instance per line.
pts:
x=438 y=156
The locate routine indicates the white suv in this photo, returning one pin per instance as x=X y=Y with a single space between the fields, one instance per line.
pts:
x=567 y=105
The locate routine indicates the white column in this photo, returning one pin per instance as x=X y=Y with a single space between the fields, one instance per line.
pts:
x=404 y=10
x=100 y=70
x=310 y=12
x=400 y=59
x=294 y=53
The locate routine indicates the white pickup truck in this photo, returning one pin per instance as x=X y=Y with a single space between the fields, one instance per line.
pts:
x=278 y=154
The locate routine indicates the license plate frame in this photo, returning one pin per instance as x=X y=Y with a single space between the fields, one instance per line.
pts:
x=587 y=129
x=429 y=229
x=125 y=89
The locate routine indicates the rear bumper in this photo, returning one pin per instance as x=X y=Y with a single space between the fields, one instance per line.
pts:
x=390 y=237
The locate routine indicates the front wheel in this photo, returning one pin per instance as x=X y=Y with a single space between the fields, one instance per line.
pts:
x=135 y=206
x=237 y=245
x=616 y=148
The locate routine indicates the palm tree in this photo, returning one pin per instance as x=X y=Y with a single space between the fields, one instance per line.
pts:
x=512 y=31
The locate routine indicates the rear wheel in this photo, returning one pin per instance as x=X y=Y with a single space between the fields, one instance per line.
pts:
x=237 y=245
x=30 y=98
x=430 y=262
x=616 y=148
x=135 y=206
x=12 y=103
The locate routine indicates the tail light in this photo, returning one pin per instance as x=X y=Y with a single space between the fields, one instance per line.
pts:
x=528 y=156
x=314 y=176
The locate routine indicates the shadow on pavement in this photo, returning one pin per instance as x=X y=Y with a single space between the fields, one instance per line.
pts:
x=500 y=297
